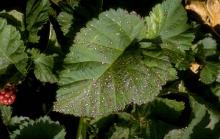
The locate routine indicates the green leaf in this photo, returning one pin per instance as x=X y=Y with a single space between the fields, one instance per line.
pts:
x=14 y=18
x=154 y=129
x=17 y=15
x=65 y=20
x=16 y=122
x=168 y=21
x=199 y=112
x=120 y=133
x=42 y=128
x=202 y=123
x=143 y=122
x=167 y=109
x=216 y=90
x=119 y=125
x=73 y=3
x=206 y=47
x=151 y=116
x=105 y=70
x=43 y=69
x=210 y=73
x=11 y=49
x=67 y=3
x=5 y=114
x=36 y=16
x=214 y=120
x=145 y=128
x=164 y=21
x=206 y=51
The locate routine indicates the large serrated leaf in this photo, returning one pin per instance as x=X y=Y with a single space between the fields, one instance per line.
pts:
x=11 y=49
x=104 y=72
x=168 y=21
x=36 y=16
x=43 y=68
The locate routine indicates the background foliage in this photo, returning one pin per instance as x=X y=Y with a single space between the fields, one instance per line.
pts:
x=108 y=69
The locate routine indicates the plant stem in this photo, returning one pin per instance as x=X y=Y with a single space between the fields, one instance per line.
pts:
x=100 y=2
x=82 y=128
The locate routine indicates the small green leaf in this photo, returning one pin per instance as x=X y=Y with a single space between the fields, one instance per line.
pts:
x=12 y=50
x=214 y=120
x=207 y=47
x=43 y=69
x=16 y=122
x=65 y=20
x=73 y=3
x=36 y=16
x=67 y=3
x=119 y=125
x=5 y=114
x=167 y=109
x=164 y=21
x=105 y=70
x=168 y=21
x=216 y=90
x=210 y=73
x=42 y=128
x=120 y=133
x=175 y=134
x=206 y=52
x=14 y=18
x=17 y=15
